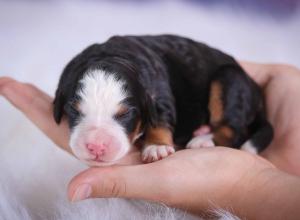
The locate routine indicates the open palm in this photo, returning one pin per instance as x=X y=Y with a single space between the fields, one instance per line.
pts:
x=280 y=84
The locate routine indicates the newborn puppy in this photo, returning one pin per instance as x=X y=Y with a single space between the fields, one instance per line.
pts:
x=158 y=90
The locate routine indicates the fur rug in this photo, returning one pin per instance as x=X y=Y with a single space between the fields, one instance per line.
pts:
x=34 y=178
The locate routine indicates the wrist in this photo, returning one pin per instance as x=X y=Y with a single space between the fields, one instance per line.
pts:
x=269 y=194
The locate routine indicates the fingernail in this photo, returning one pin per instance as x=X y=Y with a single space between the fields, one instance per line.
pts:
x=83 y=191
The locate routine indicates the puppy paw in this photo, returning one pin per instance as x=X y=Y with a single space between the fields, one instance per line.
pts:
x=152 y=153
x=202 y=130
x=249 y=147
x=201 y=141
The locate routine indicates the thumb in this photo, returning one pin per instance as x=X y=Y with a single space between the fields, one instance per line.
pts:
x=140 y=182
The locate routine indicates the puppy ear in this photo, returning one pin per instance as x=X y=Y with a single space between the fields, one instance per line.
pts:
x=58 y=106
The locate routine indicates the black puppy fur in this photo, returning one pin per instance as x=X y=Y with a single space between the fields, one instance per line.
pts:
x=169 y=78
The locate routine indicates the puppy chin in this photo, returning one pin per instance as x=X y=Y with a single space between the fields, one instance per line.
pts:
x=93 y=163
x=90 y=160
x=81 y=152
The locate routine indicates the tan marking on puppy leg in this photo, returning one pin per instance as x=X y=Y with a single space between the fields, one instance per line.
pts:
x=215 y=104
x=223 y=136
x=158 y=144
x=159 y=136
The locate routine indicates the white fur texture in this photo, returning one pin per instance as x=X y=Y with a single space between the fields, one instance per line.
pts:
x=201 y=141
x=100 y=95
x=249 y=147
x=152 y=153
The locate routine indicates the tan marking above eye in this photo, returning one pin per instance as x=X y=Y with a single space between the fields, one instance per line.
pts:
x=75 y=105
x=123 y=109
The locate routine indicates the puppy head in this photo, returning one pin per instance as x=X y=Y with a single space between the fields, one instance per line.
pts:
x=106 y=114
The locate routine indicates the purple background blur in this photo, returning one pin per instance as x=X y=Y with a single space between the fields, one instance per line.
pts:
x=37 y=38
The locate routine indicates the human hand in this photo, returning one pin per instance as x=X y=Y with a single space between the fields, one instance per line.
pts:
x=279 y=84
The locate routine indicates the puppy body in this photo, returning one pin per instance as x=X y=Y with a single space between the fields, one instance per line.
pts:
x=158 y=89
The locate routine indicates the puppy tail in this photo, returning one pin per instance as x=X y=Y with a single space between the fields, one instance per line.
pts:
x=262 y=135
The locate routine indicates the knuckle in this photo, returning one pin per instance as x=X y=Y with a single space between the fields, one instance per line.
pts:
x=112 y=186
x=118 y=189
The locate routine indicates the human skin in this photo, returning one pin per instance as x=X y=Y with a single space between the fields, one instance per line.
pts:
x=200 y=179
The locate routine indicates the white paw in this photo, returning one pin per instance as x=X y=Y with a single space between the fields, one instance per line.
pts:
x=201 y=141
x=249 y=147
x=154 y=152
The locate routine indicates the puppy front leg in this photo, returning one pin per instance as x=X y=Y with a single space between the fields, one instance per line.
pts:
x=158 y=144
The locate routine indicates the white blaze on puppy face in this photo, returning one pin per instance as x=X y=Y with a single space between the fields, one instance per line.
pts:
x=98 y=139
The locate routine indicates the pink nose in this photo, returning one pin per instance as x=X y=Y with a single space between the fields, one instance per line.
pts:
x=97 y=149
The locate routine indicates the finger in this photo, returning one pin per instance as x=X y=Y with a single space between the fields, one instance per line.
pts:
x=140 y=182
x=37 y=106
x=4 y=80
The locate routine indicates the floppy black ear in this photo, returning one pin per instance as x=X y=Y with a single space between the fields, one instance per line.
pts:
x=58 y=106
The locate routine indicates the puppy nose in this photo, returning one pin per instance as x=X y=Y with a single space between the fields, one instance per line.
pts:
x=97 y=149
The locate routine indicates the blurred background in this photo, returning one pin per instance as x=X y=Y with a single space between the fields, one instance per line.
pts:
x=39 y=37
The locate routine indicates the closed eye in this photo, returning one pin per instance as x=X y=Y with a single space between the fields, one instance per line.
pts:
x=125 y=114
x=122 y=113
x=120 y=116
